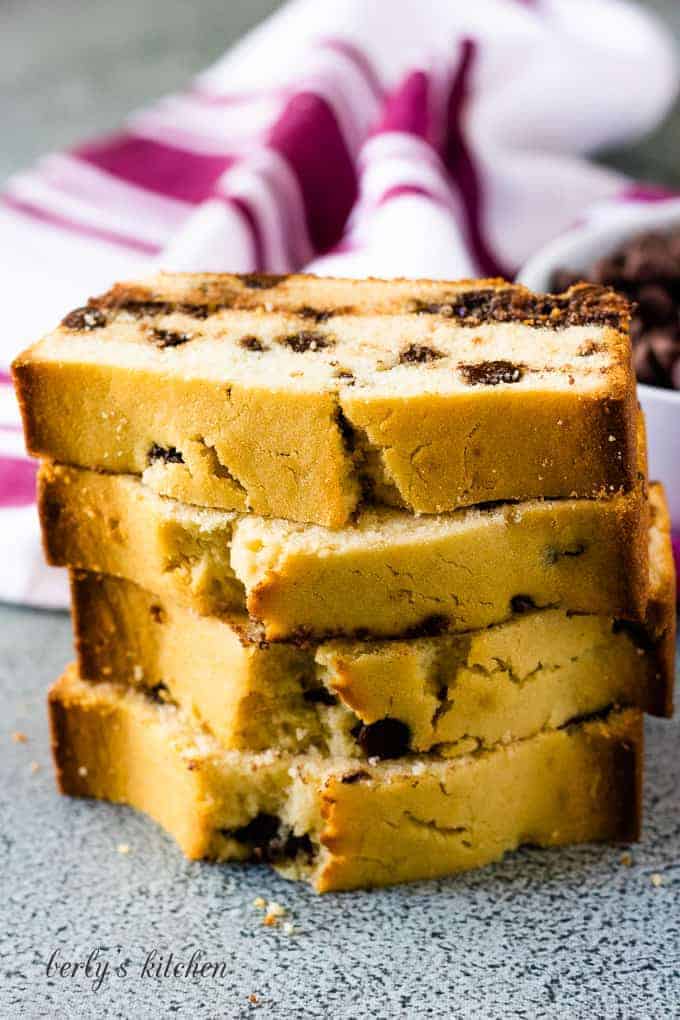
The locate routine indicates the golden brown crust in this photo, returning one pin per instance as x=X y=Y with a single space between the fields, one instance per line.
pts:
x=470 y=301
x=662 y=610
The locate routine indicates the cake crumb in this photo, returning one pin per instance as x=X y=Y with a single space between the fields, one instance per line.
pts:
x=260 y=902
x=288 y=928
x=626 y=859
x=82 y=771
x=35 y=767
x=274 y=912
x=657 y=879
x=19 y=738
x=253 y=998
x=123 y=848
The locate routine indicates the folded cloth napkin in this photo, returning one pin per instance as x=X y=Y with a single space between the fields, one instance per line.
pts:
x=353 y=137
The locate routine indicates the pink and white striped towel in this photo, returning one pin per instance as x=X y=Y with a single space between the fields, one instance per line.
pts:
x=390 y=137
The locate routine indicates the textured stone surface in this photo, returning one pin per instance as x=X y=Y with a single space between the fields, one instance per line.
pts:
x=571 y=934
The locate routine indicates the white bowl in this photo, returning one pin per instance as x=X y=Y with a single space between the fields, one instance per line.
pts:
x=576 y=251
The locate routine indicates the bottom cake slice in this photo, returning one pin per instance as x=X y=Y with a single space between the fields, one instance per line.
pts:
x=338 y=823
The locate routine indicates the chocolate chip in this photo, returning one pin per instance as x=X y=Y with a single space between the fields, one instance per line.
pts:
x=291 y=847
x=159 y=694
x=87 y=318
x=355 y=777
x=168 y=338
x=157 y=613
x=386 y=738
x=317 y=314
x=305 y=340
x=646 y=269
x=320 y=696
x=261 y=281
x=419 y=354
x=259 y=830
x=609 y=270
x=654 y=356
x=168 y=454
x=522 y=603
x=647 y=258
x=655 y=304
x=491 y=373
x=270 y=840
x=251 y=343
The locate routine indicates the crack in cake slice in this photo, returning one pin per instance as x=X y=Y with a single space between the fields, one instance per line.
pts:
x=300 y=398
x=388 y=574
x=451 y=694
x=332 y=823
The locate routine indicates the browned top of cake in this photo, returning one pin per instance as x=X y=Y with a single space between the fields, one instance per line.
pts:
x=467 y=302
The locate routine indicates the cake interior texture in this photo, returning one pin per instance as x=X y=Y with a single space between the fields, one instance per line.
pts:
x=451 y=693
x=389 y=574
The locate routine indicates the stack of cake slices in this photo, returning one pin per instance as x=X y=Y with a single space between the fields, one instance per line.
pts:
x=367 y=578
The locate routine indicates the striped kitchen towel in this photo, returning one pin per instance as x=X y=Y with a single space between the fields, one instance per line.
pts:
x=382 y=137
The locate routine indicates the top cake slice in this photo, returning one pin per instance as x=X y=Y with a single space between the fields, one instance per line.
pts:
x=300 y=397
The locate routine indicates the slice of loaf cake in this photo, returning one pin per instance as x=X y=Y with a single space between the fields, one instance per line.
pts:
x=337 y=823
x=451 y=694
x=388 y=574
x=302 y=398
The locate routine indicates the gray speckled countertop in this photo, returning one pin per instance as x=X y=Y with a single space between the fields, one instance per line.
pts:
x=573 y=934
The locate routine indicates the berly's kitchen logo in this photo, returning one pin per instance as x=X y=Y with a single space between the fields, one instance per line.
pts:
x=100 y=965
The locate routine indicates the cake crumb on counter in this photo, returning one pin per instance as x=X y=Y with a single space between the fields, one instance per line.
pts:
x=274 y=912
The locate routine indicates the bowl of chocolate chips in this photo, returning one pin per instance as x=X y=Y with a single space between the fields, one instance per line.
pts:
x=637 y=252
